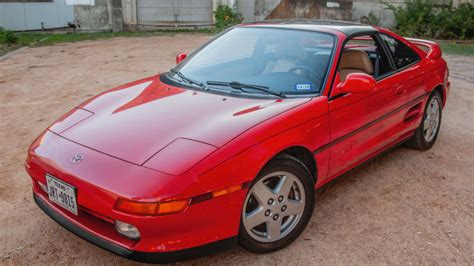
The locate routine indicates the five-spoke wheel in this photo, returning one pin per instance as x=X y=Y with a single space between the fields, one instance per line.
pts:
x=431 y=121
x=278 y=205
x=273 y=206
x=426 y=134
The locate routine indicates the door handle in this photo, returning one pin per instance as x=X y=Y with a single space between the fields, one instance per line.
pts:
x=400 y=91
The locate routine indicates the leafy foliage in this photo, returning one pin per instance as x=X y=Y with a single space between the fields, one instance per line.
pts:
x=7 y=37
x=371 y=19
x=226 y=17
x=422 y=18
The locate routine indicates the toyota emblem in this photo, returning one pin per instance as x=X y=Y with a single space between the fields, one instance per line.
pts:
x=77 y=158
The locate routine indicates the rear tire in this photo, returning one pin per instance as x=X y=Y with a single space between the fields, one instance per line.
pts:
x=278 y=206
x=426 y=134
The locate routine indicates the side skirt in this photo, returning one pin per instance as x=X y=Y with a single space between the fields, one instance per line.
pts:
x=370 y=157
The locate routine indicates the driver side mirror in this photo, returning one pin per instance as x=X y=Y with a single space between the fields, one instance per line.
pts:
x=180 y=57
x=356 y=83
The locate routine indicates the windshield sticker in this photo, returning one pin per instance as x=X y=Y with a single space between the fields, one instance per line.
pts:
x=303 y=87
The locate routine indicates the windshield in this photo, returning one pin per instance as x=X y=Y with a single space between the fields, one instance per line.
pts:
x=281 y=61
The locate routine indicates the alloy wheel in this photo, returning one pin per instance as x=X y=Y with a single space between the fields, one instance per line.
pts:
x=431 y=120
x=273 y=206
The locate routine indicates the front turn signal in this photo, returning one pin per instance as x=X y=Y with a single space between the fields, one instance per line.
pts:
x=150 y=208
x=227 y=190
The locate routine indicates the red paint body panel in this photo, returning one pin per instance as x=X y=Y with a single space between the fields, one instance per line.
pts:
x=166 y=159
x=150 y=141
x=135 y=122
x=70 y=119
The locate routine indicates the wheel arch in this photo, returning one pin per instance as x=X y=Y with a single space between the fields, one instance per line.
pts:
x=442 y=92
x=440 y=88
x=302 y=154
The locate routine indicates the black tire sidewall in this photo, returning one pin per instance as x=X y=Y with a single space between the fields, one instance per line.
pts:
x=294 y=166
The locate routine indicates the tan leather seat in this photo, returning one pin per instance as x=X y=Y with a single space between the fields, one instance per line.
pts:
x=355 y=61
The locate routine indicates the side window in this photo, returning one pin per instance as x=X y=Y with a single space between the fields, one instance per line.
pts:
x=402 y=54
x=364 y=54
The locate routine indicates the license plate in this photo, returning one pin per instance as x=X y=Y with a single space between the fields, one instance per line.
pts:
x=62 y=193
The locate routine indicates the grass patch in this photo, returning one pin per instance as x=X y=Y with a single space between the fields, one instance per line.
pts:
x=37 y=39
x=466 y=49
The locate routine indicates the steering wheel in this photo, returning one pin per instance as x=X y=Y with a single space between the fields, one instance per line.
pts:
x=308 y=70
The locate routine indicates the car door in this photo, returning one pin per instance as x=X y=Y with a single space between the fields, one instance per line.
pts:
x=410 y=88
x=359 y=122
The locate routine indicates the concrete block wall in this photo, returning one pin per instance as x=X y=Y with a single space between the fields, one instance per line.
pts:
x=312 y=9
x=129 y=14
x=361 y=8
x=263 y=8
x=104 y=15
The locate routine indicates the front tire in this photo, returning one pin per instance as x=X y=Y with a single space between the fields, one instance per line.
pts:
x=427 y=133
x=278 y=206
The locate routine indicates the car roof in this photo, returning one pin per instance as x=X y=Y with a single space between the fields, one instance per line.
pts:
x=346 y=27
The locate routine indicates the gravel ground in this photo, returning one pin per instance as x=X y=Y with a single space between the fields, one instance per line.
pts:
x=405 y=207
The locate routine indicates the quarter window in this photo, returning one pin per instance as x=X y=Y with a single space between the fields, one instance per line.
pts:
x=401 y=53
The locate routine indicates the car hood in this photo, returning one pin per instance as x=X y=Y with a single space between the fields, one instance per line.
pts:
x=134 y=122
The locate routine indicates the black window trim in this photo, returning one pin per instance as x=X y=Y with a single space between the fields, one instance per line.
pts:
x=409 y=65
x=385 y=50
x=376 y=37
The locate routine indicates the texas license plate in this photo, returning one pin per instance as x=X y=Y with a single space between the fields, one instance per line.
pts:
x=62 y=193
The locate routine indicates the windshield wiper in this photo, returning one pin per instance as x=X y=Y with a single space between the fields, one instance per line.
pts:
x=242 y=86
x=188 y=80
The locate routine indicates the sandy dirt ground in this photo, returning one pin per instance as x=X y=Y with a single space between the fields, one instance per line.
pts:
x=406 y=207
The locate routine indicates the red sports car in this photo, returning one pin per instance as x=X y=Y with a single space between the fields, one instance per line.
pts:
x=229 y=145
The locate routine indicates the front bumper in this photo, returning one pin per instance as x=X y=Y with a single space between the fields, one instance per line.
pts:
x=147 y=257
x=100 y=180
